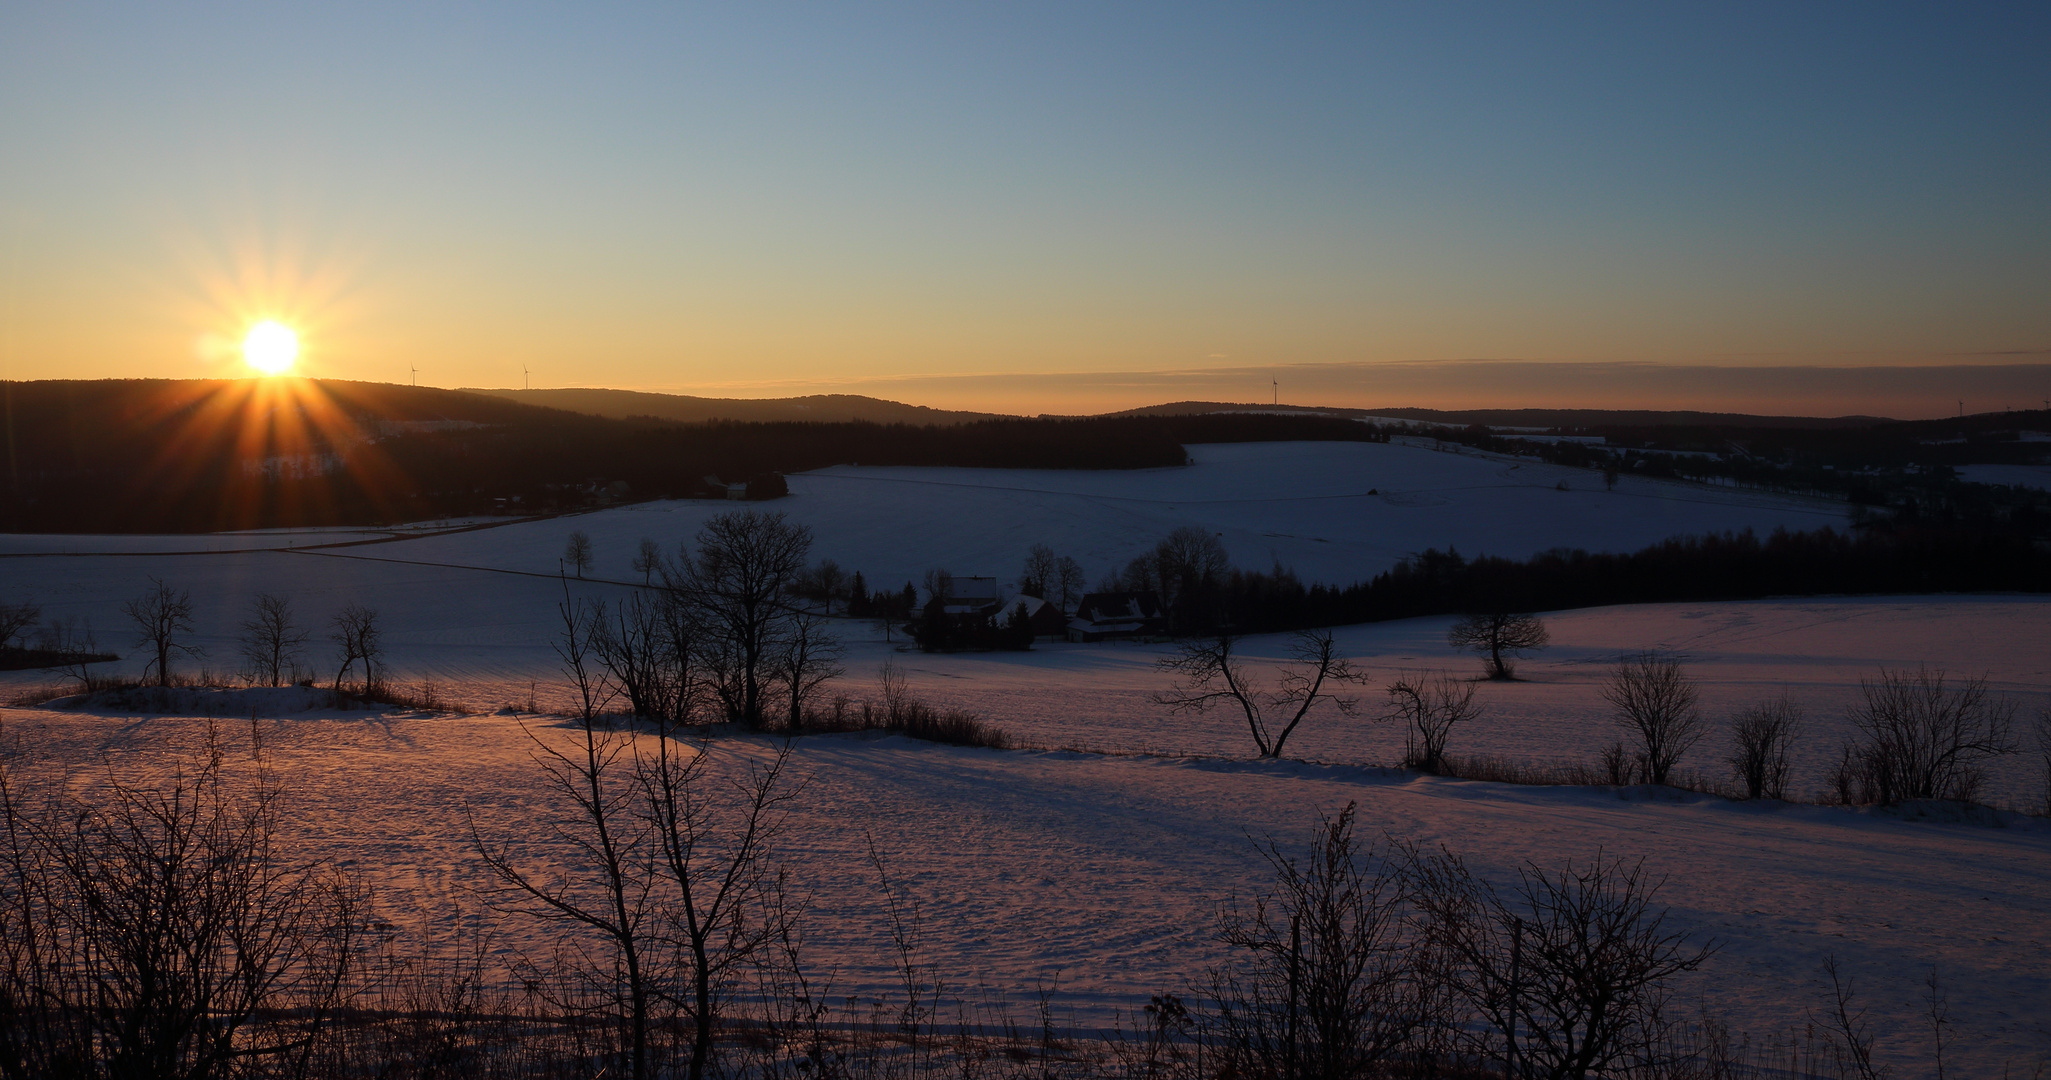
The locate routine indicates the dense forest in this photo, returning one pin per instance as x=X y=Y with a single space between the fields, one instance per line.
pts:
x=1883 y=557
x=196 y=456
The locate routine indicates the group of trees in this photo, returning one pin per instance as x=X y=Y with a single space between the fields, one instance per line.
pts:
x=1915 y=734
x=272 y=642
x=1881 y=558
x=1403 y=961
x=1057 y=579
x=723 y=627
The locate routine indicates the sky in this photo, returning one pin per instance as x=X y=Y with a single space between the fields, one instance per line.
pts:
x=1048 y=207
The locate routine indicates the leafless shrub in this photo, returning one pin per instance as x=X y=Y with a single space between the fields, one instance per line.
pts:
x=1655 y=704
x=1921 y=738
x=1851 y=1037
x=1567 y=974
x=1762 y=737
x=161 y=930
x=1209 y=672
x=1429 y=706
x=1499 y=637
x=904 y=714
x=1503 y=771
x=1619 y=767
x=1331 y=981
x=162 y=616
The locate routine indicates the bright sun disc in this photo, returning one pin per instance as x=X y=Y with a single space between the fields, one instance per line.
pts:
x=270 y=347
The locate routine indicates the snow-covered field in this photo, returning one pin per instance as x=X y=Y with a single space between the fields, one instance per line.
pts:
x=1092 y=864
x=1097 y=877
x=2029 y=476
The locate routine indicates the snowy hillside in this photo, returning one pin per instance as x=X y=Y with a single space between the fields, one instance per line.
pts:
x=1096 y=878
x=1089 y=865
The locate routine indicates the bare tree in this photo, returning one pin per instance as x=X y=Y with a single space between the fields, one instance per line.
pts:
x=15 y=619
x=1330 y=981
x=1567 y=972
x=646 y=558
x=896 y=689
x=606 y=894
x=577 y=553
x=1762 y=738
x=718 y=898
x=1921 y=738
x=1429 y=706
x=810 y=659
x=1037 y=578
x=669 y=881
x=71 y=650
x=1210 y=672
x=648 y=645
x=1186 y=567
x=1499 y=638
x=1655 y=703
x=162 y=616
x=1068 y=584
x=822 y=584
x=360 y=641
x=746 y=560
x=271 y=642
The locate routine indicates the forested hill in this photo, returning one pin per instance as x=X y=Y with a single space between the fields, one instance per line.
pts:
x=1534 y=419
x=629 y=404
x=208 y=455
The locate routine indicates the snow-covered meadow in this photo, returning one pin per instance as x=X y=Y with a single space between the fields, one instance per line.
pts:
x=1090 y=864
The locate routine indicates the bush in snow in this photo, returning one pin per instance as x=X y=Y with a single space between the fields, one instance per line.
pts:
x=1655 y=704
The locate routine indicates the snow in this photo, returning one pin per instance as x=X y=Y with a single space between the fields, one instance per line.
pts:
x=1096 y=874
x=2029 y=476
x=1096 y=877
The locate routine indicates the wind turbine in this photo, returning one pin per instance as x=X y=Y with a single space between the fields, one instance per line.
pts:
x=1278 y=390
x=416 y=372
x=523 y=376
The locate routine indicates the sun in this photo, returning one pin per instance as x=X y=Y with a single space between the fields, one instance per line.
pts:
x=270 y=347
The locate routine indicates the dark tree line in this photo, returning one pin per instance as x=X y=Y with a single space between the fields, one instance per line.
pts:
x=1908 y=558
x=157 y=456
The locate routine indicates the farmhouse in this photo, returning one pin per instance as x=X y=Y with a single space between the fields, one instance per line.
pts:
x=1105 y=616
